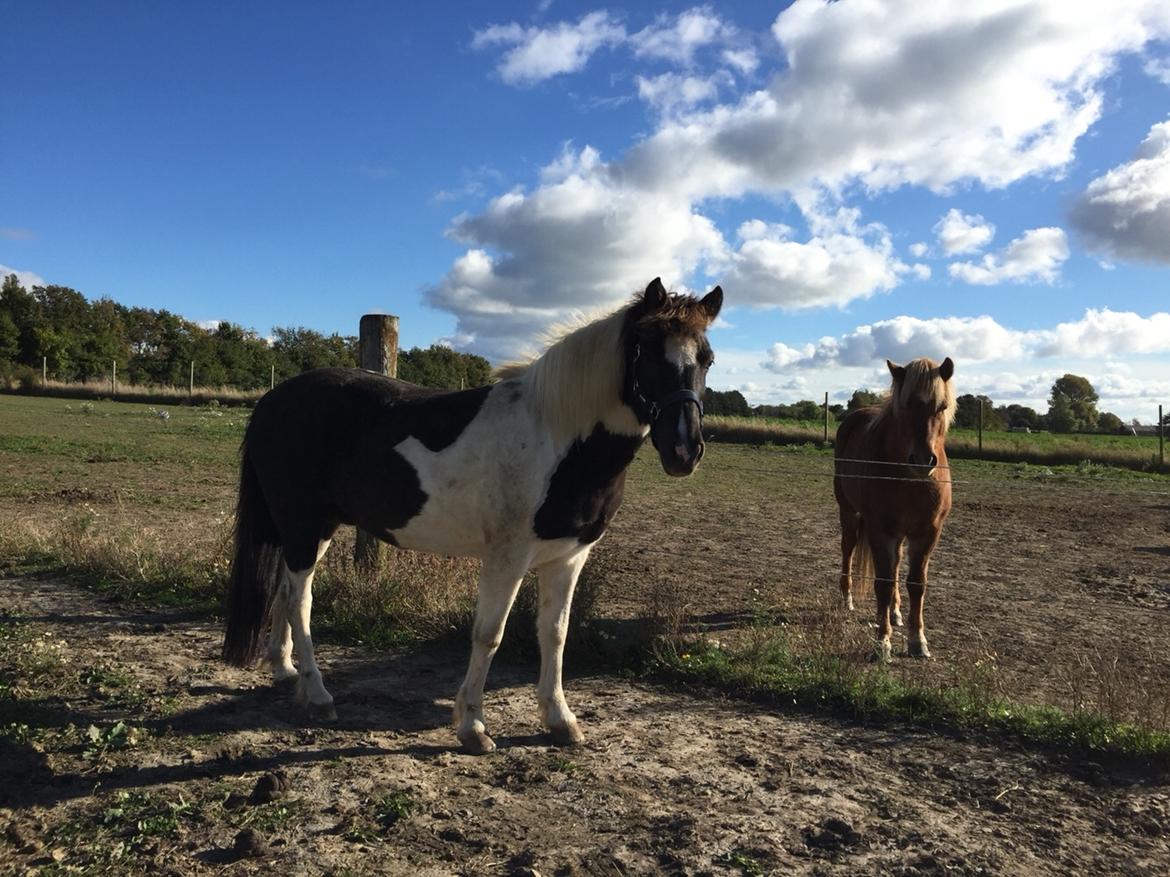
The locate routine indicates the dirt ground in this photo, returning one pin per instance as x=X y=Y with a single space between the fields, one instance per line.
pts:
x=1062 y=588
x=667 y=782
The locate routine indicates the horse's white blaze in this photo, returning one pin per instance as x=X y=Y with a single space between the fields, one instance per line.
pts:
x=681 y=352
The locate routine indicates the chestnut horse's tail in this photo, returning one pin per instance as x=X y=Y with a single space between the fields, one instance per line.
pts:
x=862 y=559
x=256 y=568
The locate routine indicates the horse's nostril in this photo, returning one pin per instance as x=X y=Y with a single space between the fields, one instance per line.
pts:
x=933 y=461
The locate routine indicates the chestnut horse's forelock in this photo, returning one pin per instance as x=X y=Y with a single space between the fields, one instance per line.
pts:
x=920 y=380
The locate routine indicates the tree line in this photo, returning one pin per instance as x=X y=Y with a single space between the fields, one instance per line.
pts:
x=79 y=340
x=1072 y=407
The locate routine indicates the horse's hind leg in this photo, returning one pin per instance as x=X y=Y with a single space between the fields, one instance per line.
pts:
x=499 y=580
x=557 y=581
x=310 y=689
x=850 y=527
x=280 y=636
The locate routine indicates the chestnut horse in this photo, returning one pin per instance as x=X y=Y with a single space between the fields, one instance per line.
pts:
x=893 y=488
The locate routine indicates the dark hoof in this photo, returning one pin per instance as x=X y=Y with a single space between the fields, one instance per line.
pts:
x=321 y=712
x=566 y=735
x=917 y=650
x=476 y=743
x=882 y=653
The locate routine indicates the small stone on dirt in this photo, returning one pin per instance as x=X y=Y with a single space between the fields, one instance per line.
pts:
x=249 y=844
x=270 y=787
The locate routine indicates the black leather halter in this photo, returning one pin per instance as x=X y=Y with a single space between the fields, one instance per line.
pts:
x=654 y=408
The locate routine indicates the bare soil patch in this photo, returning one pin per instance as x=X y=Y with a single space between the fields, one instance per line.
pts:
x=223 y=776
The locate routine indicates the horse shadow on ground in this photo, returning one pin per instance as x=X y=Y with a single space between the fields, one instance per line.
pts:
x=380 y=700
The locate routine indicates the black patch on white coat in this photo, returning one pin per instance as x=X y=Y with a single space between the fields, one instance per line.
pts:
x=322 y=446
x=586 y=488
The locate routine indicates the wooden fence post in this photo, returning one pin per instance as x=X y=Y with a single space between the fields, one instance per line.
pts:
x=191 y=391
x=114 y=379
x=1161 y=439
x=378 y=352
x=826 y=418
x=980 y=428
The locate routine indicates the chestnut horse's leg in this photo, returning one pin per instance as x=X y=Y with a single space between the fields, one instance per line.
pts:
x=887 y=557
x=916 y=585
x=850 y=527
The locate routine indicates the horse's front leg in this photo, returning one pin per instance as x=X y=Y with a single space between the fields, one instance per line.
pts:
x=916 y=645
x=557 y=581
x=499 y=580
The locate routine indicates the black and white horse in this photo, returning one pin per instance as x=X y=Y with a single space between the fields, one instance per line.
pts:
x=525 y=473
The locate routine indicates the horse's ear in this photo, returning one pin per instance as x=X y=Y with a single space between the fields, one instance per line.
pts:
x=898 y=371
x=655 y=296
x=946 y=369
x=712 y=302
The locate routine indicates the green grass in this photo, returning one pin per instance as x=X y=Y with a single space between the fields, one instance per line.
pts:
x=770 y=672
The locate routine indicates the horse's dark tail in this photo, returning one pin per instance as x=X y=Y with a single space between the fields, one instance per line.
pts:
x=256 y=567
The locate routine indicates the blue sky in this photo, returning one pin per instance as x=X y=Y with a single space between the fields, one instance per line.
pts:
x=988 y=180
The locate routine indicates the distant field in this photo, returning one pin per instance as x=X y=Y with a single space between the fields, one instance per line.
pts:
x=1130 y=452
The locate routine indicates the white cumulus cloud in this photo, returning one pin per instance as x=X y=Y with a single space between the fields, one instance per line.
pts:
x=959 y=232
x=27 y=279
x=536 y=53
x=1035 y=256
x=1098 y=334
x=1126 y=212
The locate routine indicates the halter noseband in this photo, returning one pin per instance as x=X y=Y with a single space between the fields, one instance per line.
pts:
x=655 y=408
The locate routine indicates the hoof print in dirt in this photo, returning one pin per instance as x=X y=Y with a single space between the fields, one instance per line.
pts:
x=832 y=834
x=270 y=787
x=249 y=845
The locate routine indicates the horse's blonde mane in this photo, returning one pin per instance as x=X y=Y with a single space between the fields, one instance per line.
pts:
x=921 y=380
x=577 y=381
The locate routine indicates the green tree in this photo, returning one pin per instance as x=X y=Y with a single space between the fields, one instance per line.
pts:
x=9 y=338
x=863 y=399
x=1015 y=415
x=967 y=412
x=1082 y=403
x=726 y=402
x=440 y=366
x=20 y=307
x=1061 y=417
x=1110 y=423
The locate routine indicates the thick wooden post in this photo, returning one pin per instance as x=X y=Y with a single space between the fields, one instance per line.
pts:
x=378 y=352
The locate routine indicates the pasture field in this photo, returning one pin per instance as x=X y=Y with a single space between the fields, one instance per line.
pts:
x=1043 y=448
x=128 y=748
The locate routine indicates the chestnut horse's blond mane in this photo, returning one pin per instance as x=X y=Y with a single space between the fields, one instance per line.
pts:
x=921 y=380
